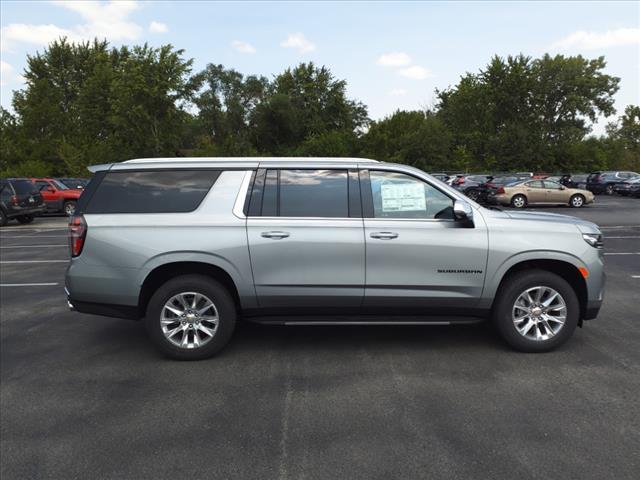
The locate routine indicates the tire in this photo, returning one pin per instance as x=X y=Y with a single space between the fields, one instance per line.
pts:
x=24 y=219
x=518 y=201
x=69 y=208
x=473 y=194
x=510 y=294
x=608 y=190
x=3 y=218
x=576 y=201
x=169 y=293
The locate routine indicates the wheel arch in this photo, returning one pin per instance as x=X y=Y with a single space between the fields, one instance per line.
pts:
x=165 y=272
x=564 y=268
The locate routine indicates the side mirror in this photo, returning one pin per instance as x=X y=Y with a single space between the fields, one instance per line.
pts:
x=462 y=211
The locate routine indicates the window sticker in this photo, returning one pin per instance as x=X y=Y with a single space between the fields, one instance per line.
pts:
x=403 y=197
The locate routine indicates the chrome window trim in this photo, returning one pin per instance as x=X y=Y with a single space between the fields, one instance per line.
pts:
x=241 y=198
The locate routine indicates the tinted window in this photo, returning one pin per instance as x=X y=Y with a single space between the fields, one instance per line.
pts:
x=270 y=198
x=42 y=184
x=23 y=186
x=313 y=193
x=396 y=195
x=151 y=191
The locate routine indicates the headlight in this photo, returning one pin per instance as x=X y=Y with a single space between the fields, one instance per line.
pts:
x=593 y=239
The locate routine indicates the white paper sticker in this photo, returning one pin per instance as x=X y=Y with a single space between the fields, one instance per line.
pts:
x=403 y=197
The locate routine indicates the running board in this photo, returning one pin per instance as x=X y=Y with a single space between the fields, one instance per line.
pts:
x=366 y=321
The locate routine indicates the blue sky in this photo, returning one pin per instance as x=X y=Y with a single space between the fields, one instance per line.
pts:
x=392 y=54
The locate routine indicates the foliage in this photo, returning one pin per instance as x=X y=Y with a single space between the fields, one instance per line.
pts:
x=88 y=103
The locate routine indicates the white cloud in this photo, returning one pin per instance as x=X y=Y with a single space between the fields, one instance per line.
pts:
x=7 y=73
x=415 y=72
x=594 y=40
x=397 y=92
x=108 y=20
x=158 y=27
x=299 y=42
x=394 y=59
x=243 y=47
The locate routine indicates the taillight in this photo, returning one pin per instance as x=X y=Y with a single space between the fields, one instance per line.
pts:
x=500 y=190
x=14 y=200
x=459 y=181
x=77 y=234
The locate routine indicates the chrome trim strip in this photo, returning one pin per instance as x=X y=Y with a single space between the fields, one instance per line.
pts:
x=367 y=323
x=238 y=206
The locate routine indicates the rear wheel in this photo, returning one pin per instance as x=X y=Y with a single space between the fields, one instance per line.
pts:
x=609 y=189
x=191 y=317
x=536 y=311
x=473 y=194
x=576 y=201
x=24 y=219
x=69 y=208
x=519 y=201
x=3 y=218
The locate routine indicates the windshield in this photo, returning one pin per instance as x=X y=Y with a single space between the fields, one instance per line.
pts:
x=59 y=185
x=23 y=186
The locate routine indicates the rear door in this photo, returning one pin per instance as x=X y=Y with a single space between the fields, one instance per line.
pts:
x=306 y=239
x=419 y=259
x=535 y=192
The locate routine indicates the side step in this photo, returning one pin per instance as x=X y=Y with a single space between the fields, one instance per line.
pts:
x=364 y=320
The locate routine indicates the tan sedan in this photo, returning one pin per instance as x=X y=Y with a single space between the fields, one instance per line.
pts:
x=543 y=192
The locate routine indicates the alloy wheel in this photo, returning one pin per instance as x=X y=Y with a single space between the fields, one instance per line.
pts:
x=518 y=202
x=70 y=209
x=577 y=201
x=189 y=320
x=539 y=313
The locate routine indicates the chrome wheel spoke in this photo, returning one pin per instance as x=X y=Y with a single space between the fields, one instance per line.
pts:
x=539 y=313
x=193 y=314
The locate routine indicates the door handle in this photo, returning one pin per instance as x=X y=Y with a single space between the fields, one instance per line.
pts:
x=384 y=235
x=275 y=235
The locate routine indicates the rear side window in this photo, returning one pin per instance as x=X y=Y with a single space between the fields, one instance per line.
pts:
x=23 y=187
x=172 y=191
x=313 y=193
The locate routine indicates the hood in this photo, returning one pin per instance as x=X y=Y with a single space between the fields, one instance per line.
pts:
x=583 y=225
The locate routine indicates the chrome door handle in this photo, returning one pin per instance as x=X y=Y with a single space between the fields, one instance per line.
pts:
x=275 y=235
x=384 y=235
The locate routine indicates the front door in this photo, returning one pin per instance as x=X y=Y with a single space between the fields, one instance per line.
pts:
x=49 y=195
x=306 y=241
x=555 y=192
x=535 y=192
x=419 y=259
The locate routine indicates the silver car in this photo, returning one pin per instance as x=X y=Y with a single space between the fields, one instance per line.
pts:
x=192 y=245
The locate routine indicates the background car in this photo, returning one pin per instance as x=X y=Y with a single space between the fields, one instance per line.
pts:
x=443 y=177
x=470 y=185
x=604 y=182
x=521 y=194
x=19 y=199
x=624 y=188
x=57 y=196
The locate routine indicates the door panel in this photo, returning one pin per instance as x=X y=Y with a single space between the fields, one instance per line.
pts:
x=307 y=262
x=554 y=193
x=535 y=192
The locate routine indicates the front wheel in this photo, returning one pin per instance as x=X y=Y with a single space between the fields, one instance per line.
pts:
x=69 y=208
x=519 y=201
x=191 y=317
x=24 y=219
x=576 y=201
x=536 y=311
x=609 y=189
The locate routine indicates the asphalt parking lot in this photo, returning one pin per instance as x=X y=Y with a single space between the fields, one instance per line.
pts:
x=88 y=397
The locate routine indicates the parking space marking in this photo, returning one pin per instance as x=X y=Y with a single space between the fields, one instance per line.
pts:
x=33 y=235
x=34 y=261
x=622 y=253
x=635 y=276
x=612 y=227
x=630 y=236
x=36 y=246
x=29 y=284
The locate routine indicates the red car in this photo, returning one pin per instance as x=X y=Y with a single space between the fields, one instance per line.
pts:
x=57 y=197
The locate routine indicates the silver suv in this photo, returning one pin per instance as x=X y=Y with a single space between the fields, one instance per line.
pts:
x=191 y=245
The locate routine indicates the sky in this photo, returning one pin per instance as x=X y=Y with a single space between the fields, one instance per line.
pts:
x=393 y=55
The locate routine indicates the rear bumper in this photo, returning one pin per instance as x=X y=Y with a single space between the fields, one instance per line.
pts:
x=103 y=309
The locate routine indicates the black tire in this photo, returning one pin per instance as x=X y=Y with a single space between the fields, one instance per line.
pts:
x=24 y=219
x=473 y=194
x=509 y=293
x=3 y=218
x=608 y=190
x=576 y=201
x=217 y=293
x=519 y=201
x=69 y=208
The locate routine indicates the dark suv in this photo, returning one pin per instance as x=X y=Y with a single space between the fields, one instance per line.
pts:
x=604 y=182
x=19 y=199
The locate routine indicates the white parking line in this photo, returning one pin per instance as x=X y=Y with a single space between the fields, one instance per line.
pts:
x=625 y=236
x=29 y=284
x=612 y=227
x=35 y=246
x=33 y=235
x=623 y=253
x=635 y=276
x=34 y=261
